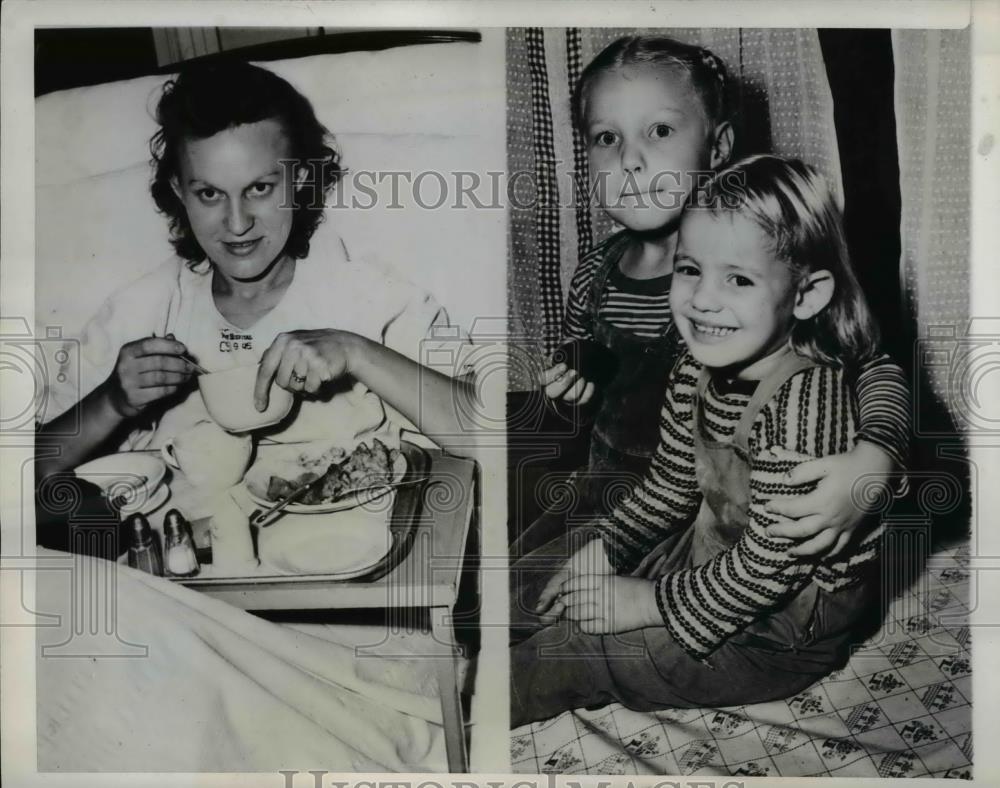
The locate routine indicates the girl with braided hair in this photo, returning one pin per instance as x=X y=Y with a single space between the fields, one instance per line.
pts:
x=654 y=114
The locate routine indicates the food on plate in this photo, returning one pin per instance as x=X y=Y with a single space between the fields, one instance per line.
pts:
x=364 y=467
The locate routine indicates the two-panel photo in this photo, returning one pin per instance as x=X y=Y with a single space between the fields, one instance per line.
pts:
x=526 y=400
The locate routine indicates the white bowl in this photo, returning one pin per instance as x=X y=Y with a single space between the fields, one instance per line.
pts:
x=228 y=397
x=131 y=476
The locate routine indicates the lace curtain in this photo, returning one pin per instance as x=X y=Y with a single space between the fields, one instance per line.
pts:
x=933 y=84
x=783 y=105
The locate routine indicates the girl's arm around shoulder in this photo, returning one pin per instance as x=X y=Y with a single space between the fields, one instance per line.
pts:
x=827 y=518
x=705 y=605
x=885 y=407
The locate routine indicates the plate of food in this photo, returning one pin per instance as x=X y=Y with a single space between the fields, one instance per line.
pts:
x=366 y=467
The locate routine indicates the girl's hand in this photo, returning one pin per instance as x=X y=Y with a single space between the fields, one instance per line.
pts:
x=588 y=560
x=827 y=517
x=147 y=370
x=604 y=604
x=561 y=382
x=302 y=361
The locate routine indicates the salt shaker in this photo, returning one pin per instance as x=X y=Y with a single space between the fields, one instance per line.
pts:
x=181 y=558
x=144 y=553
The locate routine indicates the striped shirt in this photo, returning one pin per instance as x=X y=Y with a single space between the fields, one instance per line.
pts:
x=812 y=415
x=642 y=306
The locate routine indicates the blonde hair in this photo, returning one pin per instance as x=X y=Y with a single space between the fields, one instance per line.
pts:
x=705 y=71
x=795 y=207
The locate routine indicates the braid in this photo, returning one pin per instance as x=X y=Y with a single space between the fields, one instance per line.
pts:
x=705 y=70
x=710 y=60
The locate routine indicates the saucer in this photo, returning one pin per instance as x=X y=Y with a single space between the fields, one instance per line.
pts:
x=132 y=475
x=148 y=504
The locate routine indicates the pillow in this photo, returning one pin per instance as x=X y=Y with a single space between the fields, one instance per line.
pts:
x=435 y=109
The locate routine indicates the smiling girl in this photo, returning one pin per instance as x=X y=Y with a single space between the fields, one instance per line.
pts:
x=654 y=115
x=674 y=612
x=242 y=167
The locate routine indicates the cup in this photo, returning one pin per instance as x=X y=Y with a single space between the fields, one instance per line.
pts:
x=208 y=456
x=228 y=397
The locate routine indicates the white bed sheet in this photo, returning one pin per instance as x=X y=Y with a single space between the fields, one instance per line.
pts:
x=191 y=684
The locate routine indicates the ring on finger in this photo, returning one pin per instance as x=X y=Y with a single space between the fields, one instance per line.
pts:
x=297 y=378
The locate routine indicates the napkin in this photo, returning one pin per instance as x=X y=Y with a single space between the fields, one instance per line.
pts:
x=232 y=543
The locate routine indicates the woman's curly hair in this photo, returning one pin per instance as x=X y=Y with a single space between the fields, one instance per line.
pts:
x=206 y=98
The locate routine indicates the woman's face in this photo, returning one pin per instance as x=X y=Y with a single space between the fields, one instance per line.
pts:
x=238 y=193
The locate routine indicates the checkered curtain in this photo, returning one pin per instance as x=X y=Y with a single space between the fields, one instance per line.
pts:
x=545 y=211
x=783 y=104
x=584 y=226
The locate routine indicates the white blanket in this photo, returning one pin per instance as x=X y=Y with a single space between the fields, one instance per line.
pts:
x=215 y=688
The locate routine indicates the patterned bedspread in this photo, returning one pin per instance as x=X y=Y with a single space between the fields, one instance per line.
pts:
x=900 y=708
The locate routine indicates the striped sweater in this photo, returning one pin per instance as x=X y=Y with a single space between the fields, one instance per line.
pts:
x=642 y=306
x=812 y=415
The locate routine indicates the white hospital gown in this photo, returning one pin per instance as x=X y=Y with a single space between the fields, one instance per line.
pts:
x=342 y=294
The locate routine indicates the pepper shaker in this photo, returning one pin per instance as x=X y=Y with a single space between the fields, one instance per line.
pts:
x=144 y=552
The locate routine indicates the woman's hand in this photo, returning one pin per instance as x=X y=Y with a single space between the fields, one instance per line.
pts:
x=604 y=604
x=147 y=370
x=827 y=517
x=305 y=360
x=588 y=560
x=561 y=382
x=302 y=361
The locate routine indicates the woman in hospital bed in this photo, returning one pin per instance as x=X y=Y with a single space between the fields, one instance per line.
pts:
x=242 y=167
